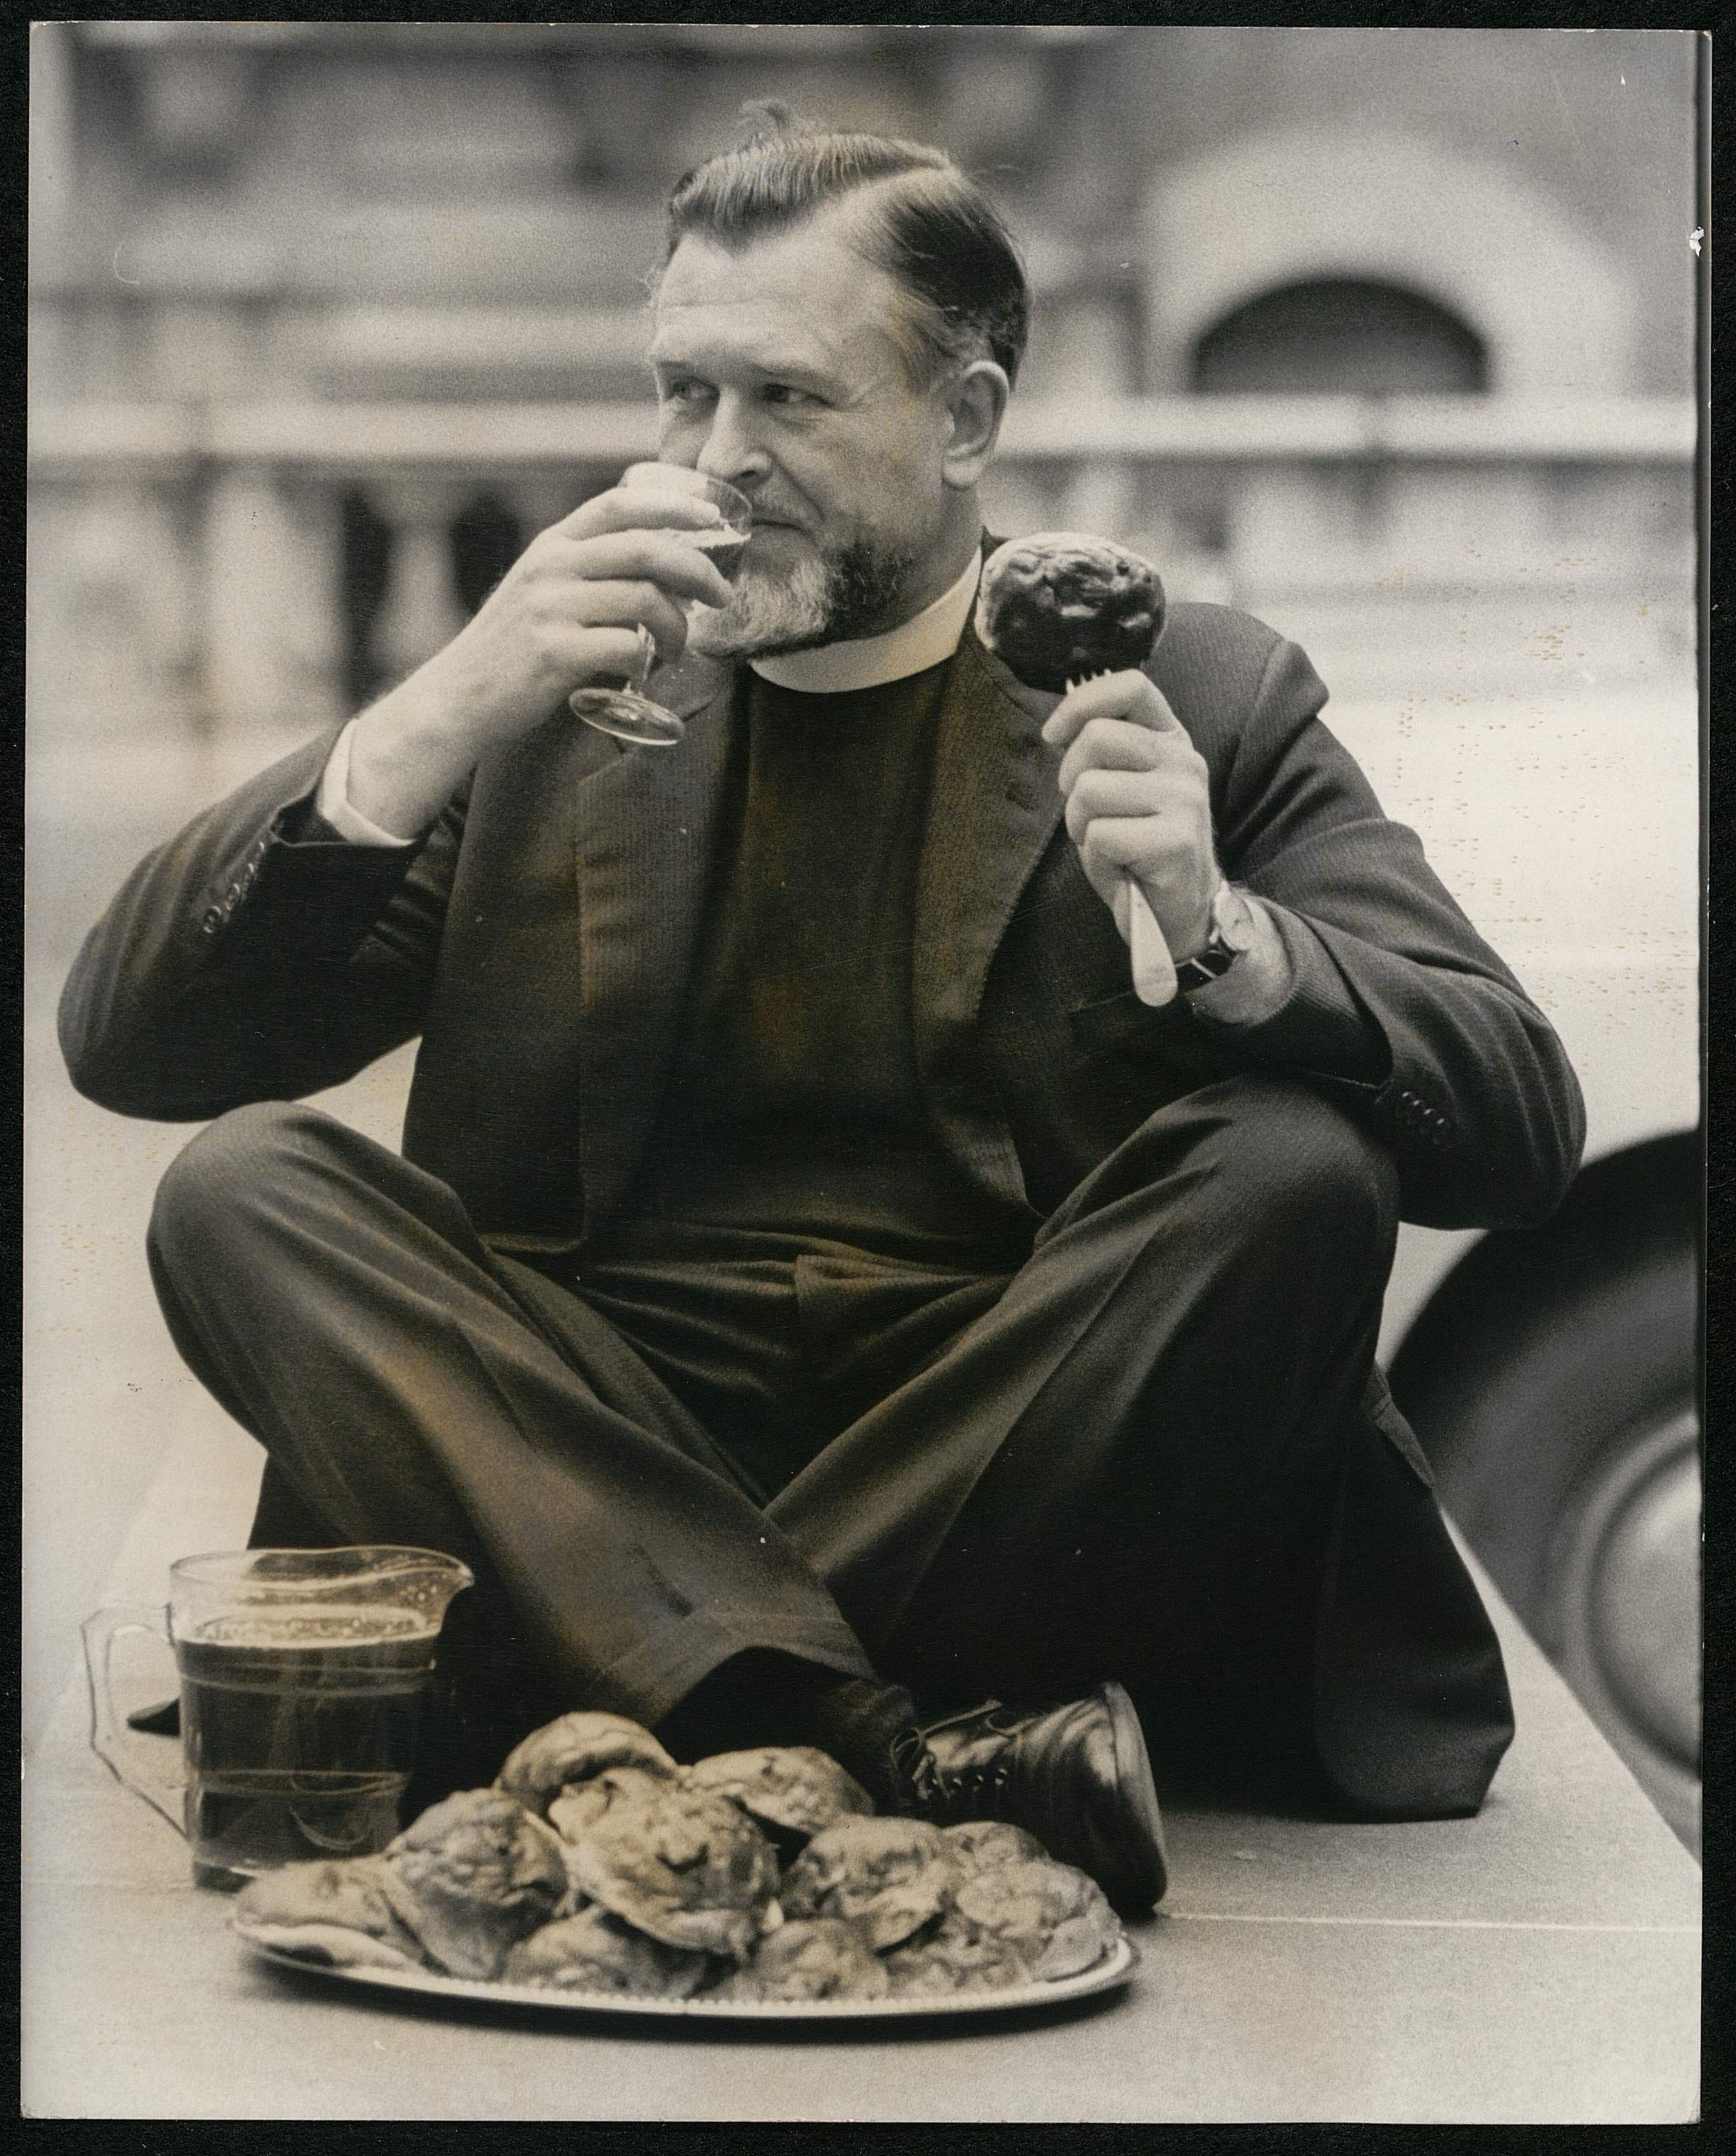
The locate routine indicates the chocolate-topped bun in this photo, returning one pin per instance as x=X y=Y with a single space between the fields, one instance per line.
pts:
x=595 y=1952
x=338 y=1912
x=1052 y=1918
x=890 y=1876
x=810 y=1957
x=979 y=1845
x=687 y=1867
x=573 y=1750
x=1057 y=606
x=952 y=1956
x=580 y=1804
x=474 y=1873
x=791 y=1786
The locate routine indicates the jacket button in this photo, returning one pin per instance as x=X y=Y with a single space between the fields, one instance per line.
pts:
x=213 y=920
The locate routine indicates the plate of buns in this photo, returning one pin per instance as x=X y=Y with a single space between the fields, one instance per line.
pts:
x=598 y=1875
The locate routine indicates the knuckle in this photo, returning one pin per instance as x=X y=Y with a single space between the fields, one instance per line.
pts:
x=594 y=558
x=661 y=555
x=525 y=581
x=546 y=617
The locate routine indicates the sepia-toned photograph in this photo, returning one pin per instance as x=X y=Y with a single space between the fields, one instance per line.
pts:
x=862 y=1042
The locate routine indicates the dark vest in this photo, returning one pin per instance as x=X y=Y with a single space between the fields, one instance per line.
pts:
x=795 y=1102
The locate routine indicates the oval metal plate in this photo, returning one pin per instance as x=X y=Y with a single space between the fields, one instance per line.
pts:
x=1115 y=1969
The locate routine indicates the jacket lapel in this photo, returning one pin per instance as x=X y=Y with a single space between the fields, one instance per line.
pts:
x=646 y=829
x=993 y=809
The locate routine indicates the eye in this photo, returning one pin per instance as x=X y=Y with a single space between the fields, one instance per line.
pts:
x=786 y=393
x=683 y=391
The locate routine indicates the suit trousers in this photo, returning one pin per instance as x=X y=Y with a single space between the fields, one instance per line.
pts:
x=1115 y=1460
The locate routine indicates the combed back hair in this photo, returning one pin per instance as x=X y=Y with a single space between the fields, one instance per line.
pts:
x=922 y=221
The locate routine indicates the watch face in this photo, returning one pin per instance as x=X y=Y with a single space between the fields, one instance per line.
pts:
x=1233 y=918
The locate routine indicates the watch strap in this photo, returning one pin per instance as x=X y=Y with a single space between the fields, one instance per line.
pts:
x=1210 y=964
x=1228 y=940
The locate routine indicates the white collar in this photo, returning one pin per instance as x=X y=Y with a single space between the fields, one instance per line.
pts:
x=834 y=669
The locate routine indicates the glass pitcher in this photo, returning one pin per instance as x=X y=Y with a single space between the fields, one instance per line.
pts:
x=303 y=1675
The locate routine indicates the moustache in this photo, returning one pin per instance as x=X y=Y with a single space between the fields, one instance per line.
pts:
x=769 y=516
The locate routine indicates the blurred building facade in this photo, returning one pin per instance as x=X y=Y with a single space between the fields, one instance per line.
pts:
x=1381 y=333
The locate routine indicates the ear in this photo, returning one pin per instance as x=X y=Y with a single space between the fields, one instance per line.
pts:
x=975 y=404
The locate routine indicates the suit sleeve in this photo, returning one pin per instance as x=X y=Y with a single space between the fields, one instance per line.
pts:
x=1397 y=1008
x=257 y=956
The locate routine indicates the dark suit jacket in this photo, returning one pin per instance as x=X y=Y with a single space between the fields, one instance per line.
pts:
x=539 y=941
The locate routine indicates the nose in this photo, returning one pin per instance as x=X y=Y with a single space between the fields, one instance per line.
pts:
x=731 y=451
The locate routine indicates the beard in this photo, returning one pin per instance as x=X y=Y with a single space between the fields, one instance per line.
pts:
x=829 y=600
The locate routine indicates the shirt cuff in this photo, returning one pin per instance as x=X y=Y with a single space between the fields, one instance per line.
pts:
x=1322 y=1027
x=332 y=802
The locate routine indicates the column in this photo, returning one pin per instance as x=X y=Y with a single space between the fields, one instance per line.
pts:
x=272 y=625
x=421 y=611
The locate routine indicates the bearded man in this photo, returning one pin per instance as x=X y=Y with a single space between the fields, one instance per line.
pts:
x=816 y=1291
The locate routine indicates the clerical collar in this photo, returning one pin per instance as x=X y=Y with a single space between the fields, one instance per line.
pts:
x=834 y=668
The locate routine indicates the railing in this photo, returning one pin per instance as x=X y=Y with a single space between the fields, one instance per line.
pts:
x=67 y=439
x=248 y=570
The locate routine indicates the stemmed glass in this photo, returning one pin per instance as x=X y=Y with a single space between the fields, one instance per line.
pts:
x=626 y=712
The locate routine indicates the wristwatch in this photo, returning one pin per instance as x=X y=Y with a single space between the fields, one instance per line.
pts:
x=1233 y=933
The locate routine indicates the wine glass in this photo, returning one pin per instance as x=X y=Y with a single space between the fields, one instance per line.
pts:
x=624 y=710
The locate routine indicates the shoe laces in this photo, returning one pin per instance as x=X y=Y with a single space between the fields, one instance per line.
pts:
x=973 y=1792
x=992 y=1718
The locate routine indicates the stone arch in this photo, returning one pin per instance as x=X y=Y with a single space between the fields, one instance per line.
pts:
x=1341 y=333
x=1490 y=245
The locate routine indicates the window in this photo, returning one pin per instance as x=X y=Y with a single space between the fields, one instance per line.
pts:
x=1341 y=334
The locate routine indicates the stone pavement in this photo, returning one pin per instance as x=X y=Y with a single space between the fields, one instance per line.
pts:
x=1538 y=1963
x=106 y=1397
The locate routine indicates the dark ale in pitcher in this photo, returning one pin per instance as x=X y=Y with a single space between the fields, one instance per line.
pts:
x=299 y=1733
x=302 y=1673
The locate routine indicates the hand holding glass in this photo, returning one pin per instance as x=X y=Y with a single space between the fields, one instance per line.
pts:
x=626 y=712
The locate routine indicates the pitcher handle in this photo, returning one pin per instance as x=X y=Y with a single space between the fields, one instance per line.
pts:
x=110 y=1739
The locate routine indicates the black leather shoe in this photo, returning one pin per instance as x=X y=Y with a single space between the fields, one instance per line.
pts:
x=1078 y=1777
